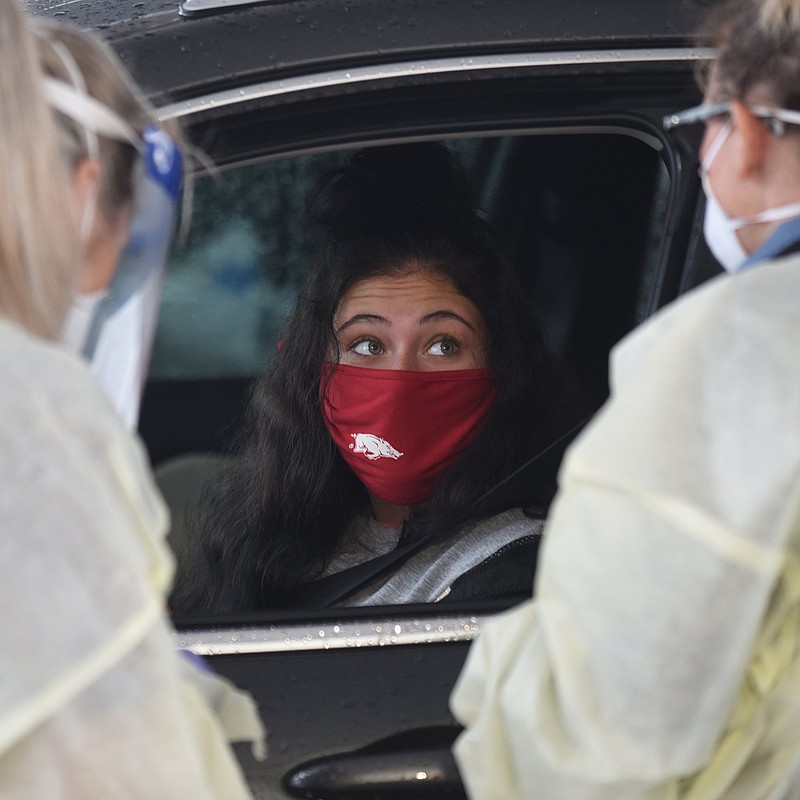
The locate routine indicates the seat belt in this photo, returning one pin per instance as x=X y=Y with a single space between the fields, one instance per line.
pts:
x=332 y=589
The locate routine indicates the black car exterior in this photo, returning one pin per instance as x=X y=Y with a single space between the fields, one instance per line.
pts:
x=557 y=108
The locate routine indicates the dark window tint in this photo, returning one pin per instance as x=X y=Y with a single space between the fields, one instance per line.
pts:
x=580 y=213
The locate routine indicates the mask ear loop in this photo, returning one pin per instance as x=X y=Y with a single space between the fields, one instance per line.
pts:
x=716 y=146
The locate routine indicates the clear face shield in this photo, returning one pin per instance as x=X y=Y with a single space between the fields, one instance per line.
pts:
x=119 y=336
x=114 y=329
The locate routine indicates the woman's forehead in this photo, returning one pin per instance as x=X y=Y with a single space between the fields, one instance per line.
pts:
x=408 y=291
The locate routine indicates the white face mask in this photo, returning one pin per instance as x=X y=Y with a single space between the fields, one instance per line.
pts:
x=720 y=234
x=718 y=228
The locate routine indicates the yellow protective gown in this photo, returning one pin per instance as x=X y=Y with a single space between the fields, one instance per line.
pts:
x=94 y=700
x=659 y=659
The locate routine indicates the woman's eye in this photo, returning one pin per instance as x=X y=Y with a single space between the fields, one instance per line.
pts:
x=367 y=347
x=444 y=347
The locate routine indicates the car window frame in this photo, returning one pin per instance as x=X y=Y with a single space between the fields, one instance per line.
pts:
x=295 y=630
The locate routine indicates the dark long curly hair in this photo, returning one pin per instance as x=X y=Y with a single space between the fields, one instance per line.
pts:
x=271 y=521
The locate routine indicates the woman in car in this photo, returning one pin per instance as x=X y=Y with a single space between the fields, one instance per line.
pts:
x=661 y=657
x=94 y=699
x=411 y=379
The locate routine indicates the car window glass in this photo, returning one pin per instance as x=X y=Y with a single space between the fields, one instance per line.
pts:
x=229 y=288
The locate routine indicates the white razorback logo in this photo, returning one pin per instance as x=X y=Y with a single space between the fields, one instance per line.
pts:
x=373 y=446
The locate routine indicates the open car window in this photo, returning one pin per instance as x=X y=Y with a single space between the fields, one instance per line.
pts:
x=580 y=213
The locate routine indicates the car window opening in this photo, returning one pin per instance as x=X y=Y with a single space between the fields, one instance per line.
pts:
x=581 y=219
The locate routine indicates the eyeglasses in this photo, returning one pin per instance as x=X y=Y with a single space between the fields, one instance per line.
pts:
x=775 y=118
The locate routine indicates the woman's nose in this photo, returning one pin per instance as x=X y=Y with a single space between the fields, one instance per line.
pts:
x=407 y=359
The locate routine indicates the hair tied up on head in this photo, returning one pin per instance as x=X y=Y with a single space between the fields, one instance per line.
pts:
x=780 y=16
x=380 y=190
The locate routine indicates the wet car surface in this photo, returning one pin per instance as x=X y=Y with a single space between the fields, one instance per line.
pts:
x=556 y=112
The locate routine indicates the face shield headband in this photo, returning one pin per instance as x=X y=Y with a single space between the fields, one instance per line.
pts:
x=114 y=331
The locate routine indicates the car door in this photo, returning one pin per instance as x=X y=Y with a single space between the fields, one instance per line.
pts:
x=592 y=200
x=556 y=114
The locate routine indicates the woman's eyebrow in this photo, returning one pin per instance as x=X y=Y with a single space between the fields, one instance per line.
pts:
x=371 y=319
x=436 y=315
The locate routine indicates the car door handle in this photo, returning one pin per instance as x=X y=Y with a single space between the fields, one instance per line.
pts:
x=380 y=772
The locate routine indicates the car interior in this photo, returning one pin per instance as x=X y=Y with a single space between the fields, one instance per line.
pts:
x=228 y=290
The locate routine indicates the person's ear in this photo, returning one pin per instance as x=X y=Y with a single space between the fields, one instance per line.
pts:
x=85 y=188
x=753 y=137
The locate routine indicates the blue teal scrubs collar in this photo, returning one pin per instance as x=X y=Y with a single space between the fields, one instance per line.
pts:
x=782 y=240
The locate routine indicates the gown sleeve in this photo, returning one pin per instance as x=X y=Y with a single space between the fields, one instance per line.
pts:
x=676 y=510
x=95 y=702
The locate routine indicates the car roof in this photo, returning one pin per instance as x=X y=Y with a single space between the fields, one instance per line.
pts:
x=176 y=54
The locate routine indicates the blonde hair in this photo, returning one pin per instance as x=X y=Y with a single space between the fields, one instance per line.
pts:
x=757 y=51
x=778 y=16
x=106 y=80
x=38 y=247
x=40 y=257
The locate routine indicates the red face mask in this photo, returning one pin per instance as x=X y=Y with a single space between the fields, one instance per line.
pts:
x=400 y=430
